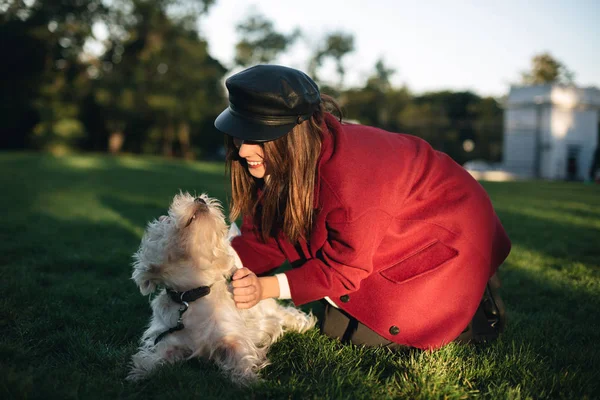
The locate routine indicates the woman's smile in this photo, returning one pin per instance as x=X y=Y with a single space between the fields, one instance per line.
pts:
x=254 y=164
x=254 y=155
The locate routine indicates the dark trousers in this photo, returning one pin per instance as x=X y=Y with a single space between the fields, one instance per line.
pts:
x=487 y=323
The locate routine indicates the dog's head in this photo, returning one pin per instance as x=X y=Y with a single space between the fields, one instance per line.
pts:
x=187 y=248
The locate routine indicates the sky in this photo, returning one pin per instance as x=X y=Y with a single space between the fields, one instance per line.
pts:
x=482 y=46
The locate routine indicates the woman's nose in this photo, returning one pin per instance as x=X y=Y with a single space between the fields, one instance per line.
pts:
x=244 y=150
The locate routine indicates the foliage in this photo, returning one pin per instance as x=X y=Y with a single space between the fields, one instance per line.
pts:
x=154 y=85
x=547 y=69
x=158 y=86
x=445 y=119
x=335 y=46
x=151 y=86
x=44 y=41
x=260 y=43
x=377 y=103
x=71 y=316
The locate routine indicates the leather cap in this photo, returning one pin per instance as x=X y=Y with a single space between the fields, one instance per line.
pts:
x=266 y=102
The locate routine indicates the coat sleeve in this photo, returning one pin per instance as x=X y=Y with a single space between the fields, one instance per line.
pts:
x=345 y=259
x=256 y=255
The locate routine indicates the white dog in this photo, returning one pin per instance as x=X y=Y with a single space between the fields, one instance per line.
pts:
x=188 y=252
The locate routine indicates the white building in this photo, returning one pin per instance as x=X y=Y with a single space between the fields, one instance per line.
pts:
x=551 y=131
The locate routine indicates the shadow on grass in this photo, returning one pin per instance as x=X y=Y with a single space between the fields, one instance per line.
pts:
x=68 y=303
x=138 y=213
x=553 y=238
x=31 y=176
x=581 y=210
x=552 y=294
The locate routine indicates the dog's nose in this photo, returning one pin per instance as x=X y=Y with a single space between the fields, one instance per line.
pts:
x=199 y=200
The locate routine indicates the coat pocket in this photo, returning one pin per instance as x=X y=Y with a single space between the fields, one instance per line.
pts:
x=423 y=261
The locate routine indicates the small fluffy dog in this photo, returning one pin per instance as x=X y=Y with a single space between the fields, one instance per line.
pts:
x=189 y=253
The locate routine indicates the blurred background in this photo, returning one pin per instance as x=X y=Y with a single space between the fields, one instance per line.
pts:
x=107 y=111
x=508 y=90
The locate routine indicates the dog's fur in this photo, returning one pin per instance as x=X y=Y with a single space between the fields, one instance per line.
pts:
x=190 y=248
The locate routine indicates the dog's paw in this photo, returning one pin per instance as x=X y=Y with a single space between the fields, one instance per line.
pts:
x=296 y=320
x=136 y=375
x=142 y=363
x=307 y=323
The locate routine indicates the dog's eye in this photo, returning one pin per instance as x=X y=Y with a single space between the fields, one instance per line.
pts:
x=190 y=221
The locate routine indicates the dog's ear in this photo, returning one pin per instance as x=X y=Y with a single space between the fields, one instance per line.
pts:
x=147 y=287
x=144 y=277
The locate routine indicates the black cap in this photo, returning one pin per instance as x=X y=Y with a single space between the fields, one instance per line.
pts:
x=266 y=102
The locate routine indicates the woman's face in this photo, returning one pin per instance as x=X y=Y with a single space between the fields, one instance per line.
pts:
x=254 y=155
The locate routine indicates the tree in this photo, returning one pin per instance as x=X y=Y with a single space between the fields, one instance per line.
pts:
x=259 y=42
x=154 y=86
x=336 y=46
x=377 y=103
x=429 y=121
x=161 y=85
x=44 y=77
x=24 y=60
x=487 y=117
x=381 y=78
x=546 y=69
x=448 y=119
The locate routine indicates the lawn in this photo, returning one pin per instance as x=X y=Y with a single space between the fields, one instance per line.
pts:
x=70 y=316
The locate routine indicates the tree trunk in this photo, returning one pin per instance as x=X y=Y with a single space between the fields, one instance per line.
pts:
x=184 y=141
x=115 y=142
x=169 y=137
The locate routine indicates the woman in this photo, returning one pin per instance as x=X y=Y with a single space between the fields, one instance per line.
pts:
x=398 y=238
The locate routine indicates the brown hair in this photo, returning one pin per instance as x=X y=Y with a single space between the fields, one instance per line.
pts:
x=287 y=194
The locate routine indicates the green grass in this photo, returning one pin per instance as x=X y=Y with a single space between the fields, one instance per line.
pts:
x=70 y=317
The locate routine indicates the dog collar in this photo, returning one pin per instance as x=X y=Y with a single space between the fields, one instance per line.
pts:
x=182 y=298
x=189 y=295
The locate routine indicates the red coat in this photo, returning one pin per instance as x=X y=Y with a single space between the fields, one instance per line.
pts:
x=404 y=239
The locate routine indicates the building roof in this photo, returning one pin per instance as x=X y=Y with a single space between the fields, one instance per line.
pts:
x=567 y=96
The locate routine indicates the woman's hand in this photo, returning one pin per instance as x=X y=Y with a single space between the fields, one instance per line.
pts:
x=248 y=289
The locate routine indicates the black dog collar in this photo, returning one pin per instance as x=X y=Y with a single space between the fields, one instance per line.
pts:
x=189 y=295
x=182 y=298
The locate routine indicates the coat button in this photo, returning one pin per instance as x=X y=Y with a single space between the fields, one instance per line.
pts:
x=394 y=330
x=345 y=298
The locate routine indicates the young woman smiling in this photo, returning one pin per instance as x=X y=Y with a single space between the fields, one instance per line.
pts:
x=401 y=242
